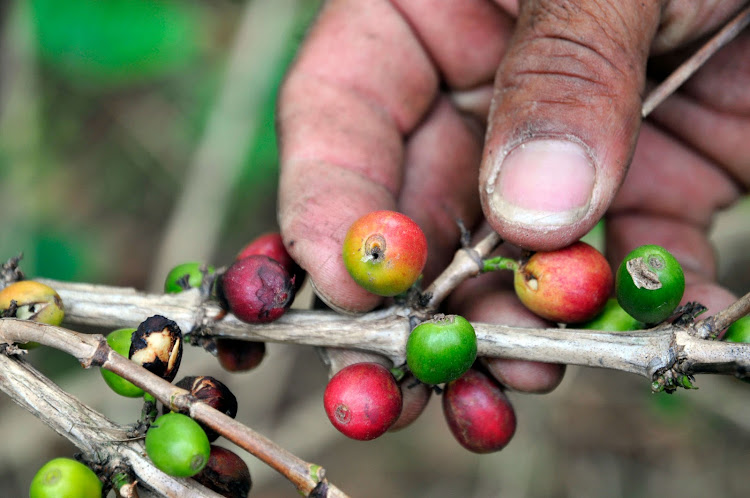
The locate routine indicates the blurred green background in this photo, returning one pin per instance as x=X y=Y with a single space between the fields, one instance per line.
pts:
x=137 y=134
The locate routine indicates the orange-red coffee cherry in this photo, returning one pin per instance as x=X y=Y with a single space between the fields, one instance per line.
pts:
x=362 y=400
x=569 y=285
x=385 y=252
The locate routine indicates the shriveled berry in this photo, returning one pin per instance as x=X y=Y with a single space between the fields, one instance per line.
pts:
x=385 y=252
x=226 y=474
x=478 y=413
x=569 y=285
x=256 y=289
x=157 y=346
x=272 y=245
x=212 y=392
x=362 y=400
x=239 y=356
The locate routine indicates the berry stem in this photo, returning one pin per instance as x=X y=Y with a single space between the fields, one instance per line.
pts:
x=468 y=262
x=500 y=263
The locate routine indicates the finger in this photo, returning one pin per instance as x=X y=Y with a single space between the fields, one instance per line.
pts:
x=465 y=39
x=343 y=111
x=440 y=183
x=668 y=179
x=565 y=117
x=722 y=82
x=719 y=135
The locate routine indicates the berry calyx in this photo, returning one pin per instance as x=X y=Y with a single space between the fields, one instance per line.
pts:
x=650 y=284
x=478 y=413
x=441 y=349
x=177 y=445
x=65 y=478
x=119 y=340
x=256 y=289
x=362 y=400
x=569 y=285
x=385 y=252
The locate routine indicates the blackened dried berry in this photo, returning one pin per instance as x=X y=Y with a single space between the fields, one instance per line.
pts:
x=157 y=346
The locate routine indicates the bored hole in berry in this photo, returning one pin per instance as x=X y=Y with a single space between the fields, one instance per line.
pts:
x=343 y=414
x=375 y=247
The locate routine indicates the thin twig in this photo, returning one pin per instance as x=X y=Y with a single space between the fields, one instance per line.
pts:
x=690 y=66
x=466 y=263
x=713 y=325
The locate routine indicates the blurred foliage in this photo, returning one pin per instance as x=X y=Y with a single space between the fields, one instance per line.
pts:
x=100 y=113
x=115 y=41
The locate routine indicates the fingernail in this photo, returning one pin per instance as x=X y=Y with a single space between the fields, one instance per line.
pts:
x=544 y=182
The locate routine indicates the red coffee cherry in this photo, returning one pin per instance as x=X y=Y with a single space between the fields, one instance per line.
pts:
x=362 y=400
x=569 y=285
x=479 y=415
x=385 y=252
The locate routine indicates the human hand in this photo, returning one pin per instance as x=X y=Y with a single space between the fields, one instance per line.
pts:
x=386 y=105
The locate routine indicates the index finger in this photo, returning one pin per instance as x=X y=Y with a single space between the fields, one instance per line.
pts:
x=361 y=82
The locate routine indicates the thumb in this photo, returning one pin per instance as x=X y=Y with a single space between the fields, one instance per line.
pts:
x=564 y=117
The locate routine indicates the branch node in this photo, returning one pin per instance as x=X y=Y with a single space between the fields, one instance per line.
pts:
x=100 y=354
